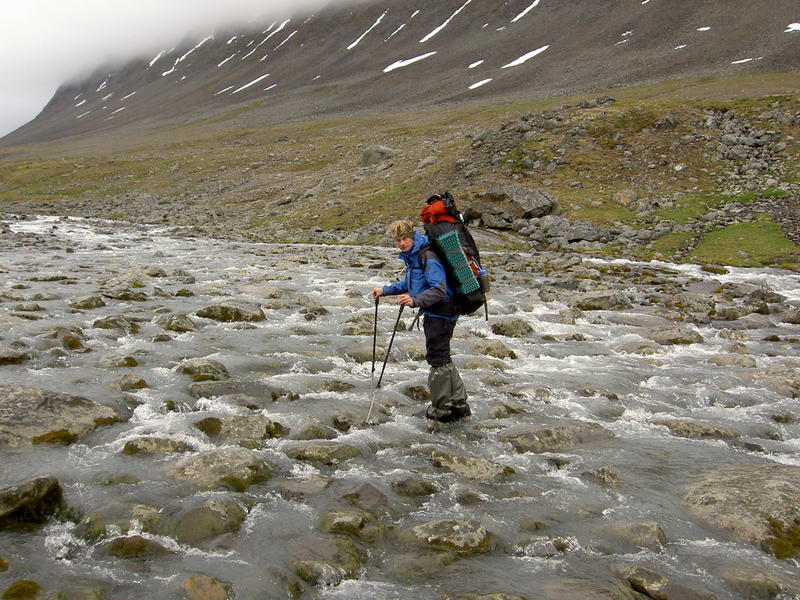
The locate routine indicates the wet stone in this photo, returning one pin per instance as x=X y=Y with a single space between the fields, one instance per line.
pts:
x=154 y=445
x=32 y=415
x=655 y=585
x=532 y=438
x=414 y=487
x=326 y=452
x=178 y=323
x=353 y=522
x=324 y=560
x=30 y=502
x=460 y=537
x=198 y=524
x=471 y=467
x=230 y=311
x=135 y=547
x=86 y=302
x=232 y=468
x=22 y=589
x=202 y=587
x=12 y=356
x=204 y=369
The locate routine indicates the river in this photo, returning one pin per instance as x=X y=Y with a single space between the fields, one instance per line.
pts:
x=550 y=517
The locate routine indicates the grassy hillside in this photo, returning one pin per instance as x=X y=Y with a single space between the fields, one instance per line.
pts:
x=240 y=175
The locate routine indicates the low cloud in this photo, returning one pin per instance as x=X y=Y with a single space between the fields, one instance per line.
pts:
x=44 y=43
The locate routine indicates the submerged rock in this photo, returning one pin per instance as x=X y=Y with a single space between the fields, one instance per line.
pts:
x=692 y=430
x=210 y=519
x=672 y=335
x=759 y=504
x=202 y=587
x=154 y=445
x=534 y=438
x=229 y=311
x=512 y=327
x=655 y=585
x=623 y=538
x=324 y=560
x=30 y=502
x=601 y=300
x=241 y=429
x=36 y=416
x=461 y=537
x=86 y=302
x=471 y=467
x=234 y=468
x=359 y=524
x=323 y=451
x=204 y=369
x=11 y=356
x=135 y=547
x=180 y=323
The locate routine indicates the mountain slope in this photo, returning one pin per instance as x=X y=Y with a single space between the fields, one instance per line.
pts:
x=339 y=61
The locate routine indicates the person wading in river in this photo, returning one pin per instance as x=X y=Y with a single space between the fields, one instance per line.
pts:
x=425 y=287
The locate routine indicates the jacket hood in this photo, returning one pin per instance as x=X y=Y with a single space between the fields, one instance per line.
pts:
x=419 y=241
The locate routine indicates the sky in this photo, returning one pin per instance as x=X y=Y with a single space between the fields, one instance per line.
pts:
x=44 y=43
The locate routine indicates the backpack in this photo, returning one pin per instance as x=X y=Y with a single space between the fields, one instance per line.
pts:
x=455 y=247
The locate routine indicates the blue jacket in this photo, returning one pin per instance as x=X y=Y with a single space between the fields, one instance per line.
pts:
x=427 y=287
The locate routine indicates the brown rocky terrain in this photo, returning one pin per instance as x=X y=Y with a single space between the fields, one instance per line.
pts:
x=651 y=126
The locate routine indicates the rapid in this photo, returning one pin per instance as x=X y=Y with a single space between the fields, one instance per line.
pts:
x=559 y=516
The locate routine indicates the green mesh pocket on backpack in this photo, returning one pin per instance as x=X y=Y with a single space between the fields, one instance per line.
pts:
x=457 y=260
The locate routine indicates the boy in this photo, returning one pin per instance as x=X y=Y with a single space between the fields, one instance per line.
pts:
x=425 y=287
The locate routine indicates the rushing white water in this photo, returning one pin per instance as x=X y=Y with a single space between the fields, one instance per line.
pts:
x=563 y=371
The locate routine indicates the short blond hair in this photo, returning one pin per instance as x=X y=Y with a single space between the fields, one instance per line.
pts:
x=401 y=229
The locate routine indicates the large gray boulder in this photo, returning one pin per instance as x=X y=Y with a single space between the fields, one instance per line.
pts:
x=36 y=416
x=759 y=504
x=376 y=154
x=522 y=202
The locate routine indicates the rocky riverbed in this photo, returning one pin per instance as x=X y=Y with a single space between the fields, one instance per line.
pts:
x=185 y=417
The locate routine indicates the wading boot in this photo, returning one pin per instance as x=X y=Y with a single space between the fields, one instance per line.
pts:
x=448 y=396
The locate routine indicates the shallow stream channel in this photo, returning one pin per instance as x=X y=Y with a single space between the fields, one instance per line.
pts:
x=201 y=405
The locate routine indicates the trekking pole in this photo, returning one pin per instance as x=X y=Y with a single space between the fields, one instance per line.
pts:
x=386 y=358
x=374 y=347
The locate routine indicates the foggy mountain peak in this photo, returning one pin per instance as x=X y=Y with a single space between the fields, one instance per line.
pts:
x=335 y=58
